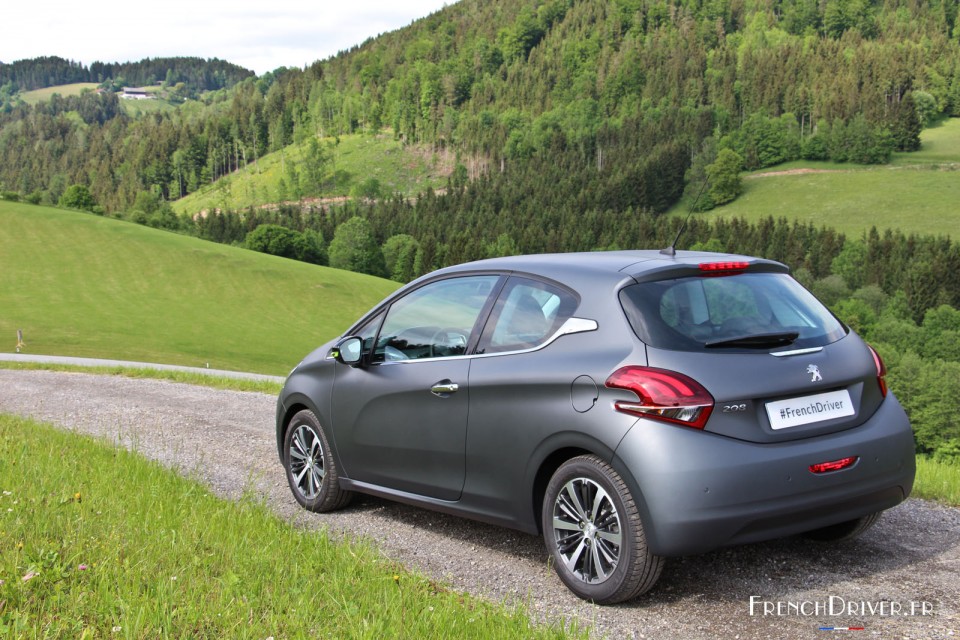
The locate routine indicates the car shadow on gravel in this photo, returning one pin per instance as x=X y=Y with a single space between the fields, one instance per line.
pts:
x=905 y=536
x=912 y=533
x=501 y=539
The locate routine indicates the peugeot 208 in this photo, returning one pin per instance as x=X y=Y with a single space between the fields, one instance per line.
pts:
x=627 y=406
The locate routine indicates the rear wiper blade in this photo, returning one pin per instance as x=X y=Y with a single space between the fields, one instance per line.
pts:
x=758 y=340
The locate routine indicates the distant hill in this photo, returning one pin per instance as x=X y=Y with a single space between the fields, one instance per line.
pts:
x=595 y=107
x=83 y=285
x=620 y=96
x=197 y=73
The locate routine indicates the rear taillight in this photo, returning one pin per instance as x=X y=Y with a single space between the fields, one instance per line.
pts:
x=881 y=371
x=663 y=395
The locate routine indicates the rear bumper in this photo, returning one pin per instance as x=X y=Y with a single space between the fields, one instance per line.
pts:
x=700 y=491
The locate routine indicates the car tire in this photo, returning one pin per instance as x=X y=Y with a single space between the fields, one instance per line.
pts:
x=844 y=530
x=311 y=472
x=592 y=529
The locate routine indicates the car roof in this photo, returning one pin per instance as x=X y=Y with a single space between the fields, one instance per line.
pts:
x=593 y=274
x=586 y=268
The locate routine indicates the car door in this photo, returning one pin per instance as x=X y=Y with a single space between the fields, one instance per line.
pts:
x=400 y=421
x=520 y=388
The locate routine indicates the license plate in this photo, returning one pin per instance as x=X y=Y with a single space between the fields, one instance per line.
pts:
x=794 y=412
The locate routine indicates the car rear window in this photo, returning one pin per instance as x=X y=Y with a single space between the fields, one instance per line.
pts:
x=740 y=312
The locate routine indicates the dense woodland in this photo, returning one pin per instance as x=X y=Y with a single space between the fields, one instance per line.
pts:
x=575 y=123
x=626 y=89
x=52 y=71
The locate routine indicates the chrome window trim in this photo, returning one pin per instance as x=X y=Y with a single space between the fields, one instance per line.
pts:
x=571 y=326
x=797 y=352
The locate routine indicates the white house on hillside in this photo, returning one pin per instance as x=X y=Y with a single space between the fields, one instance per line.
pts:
x=135 y=93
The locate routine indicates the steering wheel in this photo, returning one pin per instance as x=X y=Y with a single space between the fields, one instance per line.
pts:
x=451 y=338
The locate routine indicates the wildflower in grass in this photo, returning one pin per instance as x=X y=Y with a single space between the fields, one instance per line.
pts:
x=82 y=567
x=77 y=497
x=8 y=493
x=117 y=629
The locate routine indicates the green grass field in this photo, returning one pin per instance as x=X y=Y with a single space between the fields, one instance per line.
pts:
x=137 y=108
x=937 y=481
x=916 y=193
x=399 y=169
x=82 y=285
x=133 y=108
x=104 y=544
x=43 y=95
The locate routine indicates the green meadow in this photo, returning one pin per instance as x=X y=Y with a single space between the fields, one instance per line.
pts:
x=137 y=108
x=354 y=159
x=937 y=480
x=82 y=285
x=133 y=108
x=102 y=543
x=42 y=95
x=916 y=193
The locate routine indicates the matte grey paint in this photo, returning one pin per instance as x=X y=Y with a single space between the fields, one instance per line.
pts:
x=481 y=451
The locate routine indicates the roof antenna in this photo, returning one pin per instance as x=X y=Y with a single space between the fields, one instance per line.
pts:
x=672 y=249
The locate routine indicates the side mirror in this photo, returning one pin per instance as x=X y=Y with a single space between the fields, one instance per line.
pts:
x=349 y=351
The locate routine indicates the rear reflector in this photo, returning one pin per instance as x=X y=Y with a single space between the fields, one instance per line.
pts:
x=836 y=465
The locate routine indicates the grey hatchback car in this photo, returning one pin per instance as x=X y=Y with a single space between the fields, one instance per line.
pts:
x=628 y=406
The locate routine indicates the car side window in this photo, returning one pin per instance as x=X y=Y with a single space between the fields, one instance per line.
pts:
x=434 y=321
x=526 y=315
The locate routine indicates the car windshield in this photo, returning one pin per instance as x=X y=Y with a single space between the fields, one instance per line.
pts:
x=743 y=312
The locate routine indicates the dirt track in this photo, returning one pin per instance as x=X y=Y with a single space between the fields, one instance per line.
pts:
x=909 y=562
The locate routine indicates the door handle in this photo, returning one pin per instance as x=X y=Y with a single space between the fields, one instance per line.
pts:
x=444 y=388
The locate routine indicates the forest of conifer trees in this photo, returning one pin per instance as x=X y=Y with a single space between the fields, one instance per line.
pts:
x=627 y=88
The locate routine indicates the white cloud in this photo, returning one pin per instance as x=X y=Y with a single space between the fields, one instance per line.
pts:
x=252 y=33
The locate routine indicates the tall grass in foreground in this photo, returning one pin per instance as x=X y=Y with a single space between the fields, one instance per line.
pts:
x=937 y=481
x=96 y=542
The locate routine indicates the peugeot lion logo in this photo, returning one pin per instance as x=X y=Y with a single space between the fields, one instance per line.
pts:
x=814 y=372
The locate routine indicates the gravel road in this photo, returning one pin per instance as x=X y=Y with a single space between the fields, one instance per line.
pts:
x=908 y=563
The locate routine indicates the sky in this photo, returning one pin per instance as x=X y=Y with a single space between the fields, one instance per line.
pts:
x=256 y=34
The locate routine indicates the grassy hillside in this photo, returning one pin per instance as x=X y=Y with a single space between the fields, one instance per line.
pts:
x=133 y=108
x=42 y=95
x=353 y=160
x=917 y=192
x=81 y=285
x=137 y=108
